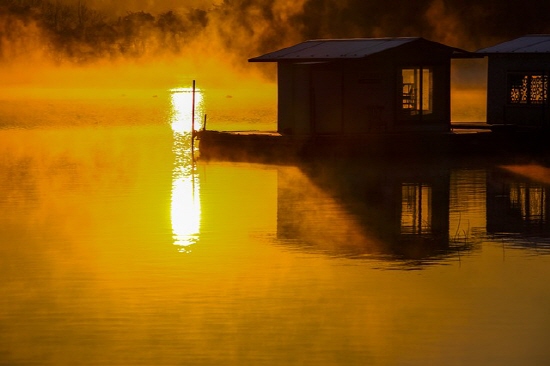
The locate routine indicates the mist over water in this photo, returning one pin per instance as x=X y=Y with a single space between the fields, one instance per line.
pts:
x=118 y=245
x=38 y=34
x=129 y=53
x=77 y=31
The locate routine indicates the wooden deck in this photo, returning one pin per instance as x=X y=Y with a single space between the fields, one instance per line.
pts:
x=463 y=139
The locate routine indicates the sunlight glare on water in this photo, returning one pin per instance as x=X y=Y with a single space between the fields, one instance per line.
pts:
x=185 y=204
x=182 y=102
x=185 y=212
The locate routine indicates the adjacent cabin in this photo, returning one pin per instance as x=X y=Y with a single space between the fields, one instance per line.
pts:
x=517 y=82
x=360 y=86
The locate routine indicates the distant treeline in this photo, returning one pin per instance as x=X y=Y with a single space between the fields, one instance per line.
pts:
x=81 y=34
x=247 y=28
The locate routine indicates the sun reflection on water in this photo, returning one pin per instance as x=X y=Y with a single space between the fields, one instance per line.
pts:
x=185 y=212
x=185 y=203
x=182 y=101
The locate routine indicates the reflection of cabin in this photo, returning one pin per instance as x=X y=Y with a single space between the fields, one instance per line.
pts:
x=517 y=85
x=396 y=210
x=350 y=86
x=516 y=205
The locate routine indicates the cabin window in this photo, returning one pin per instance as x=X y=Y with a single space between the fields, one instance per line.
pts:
x=527 y=88
x=417 y=90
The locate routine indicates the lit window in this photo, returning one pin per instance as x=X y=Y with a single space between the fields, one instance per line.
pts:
x=417 y=91
x=526 y=88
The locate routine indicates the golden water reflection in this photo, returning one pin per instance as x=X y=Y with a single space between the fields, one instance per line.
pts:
x=185 y=212
x=91 y=276
x=185 y=204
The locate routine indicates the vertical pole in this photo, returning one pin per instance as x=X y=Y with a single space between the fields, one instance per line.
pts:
x=193 y=120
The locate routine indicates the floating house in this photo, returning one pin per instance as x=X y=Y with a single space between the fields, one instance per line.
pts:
x=363 y=86
x=391 y=97
x=517 y=82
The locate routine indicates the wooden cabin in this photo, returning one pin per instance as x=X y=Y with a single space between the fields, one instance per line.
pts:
x=363 y=86
x=517 y=82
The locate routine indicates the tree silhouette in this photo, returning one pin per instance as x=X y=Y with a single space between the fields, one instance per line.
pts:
x=137 y=28
x=78 y=33
x=172 y=30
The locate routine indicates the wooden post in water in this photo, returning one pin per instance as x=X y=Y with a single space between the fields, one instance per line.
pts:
x=193 y=121
x=204 y=124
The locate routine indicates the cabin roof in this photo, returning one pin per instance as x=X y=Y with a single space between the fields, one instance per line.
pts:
x=534 y=43
x=336 y=49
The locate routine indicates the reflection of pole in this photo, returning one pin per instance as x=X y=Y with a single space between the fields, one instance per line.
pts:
x=193 y=121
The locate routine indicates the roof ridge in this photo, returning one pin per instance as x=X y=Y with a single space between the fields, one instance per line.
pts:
x=529 y=43
x=358 y=39
x=341 y=48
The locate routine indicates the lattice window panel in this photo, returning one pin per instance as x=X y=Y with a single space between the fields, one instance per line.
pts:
x=528 y=89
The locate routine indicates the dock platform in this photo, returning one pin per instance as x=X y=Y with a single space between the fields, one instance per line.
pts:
x=463 y=139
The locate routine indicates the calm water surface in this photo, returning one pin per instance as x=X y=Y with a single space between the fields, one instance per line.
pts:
x=115 y=249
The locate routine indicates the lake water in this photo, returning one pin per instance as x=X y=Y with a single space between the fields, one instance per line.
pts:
x=117 y=249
